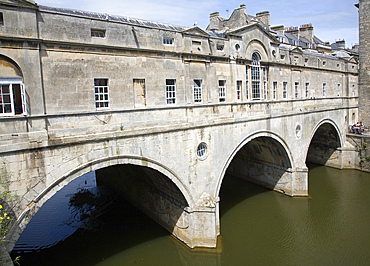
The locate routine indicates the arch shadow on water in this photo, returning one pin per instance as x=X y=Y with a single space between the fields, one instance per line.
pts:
x=120 y=226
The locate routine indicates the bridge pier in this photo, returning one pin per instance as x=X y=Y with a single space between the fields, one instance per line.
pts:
x=157 y=196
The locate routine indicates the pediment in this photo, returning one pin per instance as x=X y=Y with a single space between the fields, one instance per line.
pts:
x=252 y=27
x=19 y=3
x=196 y=31
x=297 y=50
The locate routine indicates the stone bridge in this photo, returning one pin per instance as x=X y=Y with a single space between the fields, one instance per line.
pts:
x=181 y=153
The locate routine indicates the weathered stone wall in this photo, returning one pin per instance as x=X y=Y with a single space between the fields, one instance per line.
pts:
x=364 y=82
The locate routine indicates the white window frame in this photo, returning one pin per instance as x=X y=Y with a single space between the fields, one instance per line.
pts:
x=197 y=91
x=102 y=100
x=168 y=41
x=222 y=90
x=256 y=77
x=285 y=90
x=338 y=92
x=247 y=82
x=324 y=90
x=274 y=87
x=10 y=82
x=239 y=86
x=296 y=90
x=264 y=83
x=307 y=90
x=170 y=91
x=98 y=33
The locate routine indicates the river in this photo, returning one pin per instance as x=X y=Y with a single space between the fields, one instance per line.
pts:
x=258 y=227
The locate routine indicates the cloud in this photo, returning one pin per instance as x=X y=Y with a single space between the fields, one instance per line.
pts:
x=329 y=16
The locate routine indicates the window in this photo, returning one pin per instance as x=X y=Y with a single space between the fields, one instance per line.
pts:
x=324 y=89
x=12 y=97
x=196 y=43
x=274 y=87
x=237 y=47
x=202 y=151
x=171 y=91
x=256 y=77
x=197 y=90
x=97 y=33
x=220 y=47
x=296 y=87
x=324 y=63
x=238 y=90
x=247 y=83
x=285 y=84
x=307 y=90
x=1 y=19
x=222 y=90
x=101 y=93
x=306 y=60
x=264 y=83
x=353 y=90
x=167 y=41
x=282 y=57
x=338 y=92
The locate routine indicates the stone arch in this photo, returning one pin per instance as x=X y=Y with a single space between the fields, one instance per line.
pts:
x=9 y=68
x=325 y=142
x=256 y=46
x=93 y=165
x=261 y=134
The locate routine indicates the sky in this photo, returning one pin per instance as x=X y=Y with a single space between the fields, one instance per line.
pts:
x=332 y=19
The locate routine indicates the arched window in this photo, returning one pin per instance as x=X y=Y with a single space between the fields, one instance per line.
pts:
x=256 y=77
x=12 y=92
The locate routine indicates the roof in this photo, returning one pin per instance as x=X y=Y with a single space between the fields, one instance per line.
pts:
x=113 y=18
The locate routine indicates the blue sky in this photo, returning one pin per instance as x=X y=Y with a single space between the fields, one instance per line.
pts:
x=332 y=19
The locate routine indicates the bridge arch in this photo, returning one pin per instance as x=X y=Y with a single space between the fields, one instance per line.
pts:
x=90 y=166
x=325 y=144
x=286 y=162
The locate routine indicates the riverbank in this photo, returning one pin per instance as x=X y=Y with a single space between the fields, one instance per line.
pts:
x=362 y=145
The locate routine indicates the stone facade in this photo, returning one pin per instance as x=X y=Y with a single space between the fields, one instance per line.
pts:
x=84 y=91
x=364 y=81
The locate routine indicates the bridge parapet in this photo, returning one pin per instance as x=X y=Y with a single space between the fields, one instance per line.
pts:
x=22 y=133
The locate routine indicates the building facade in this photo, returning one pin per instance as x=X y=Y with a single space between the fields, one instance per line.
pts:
x=59 y=60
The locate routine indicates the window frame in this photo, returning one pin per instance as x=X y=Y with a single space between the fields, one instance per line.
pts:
x=168 y=41
x=98 y=33
x=1 y=19
x=197 y=91
x=256 y=77
x=222 y=90
x=285 y=90
x=324 y=89
x=103 y=90
x=307 y=90
x=274 y=90
x=239 y=87
x=171 y=91
x=10 y=82
x=296 y=90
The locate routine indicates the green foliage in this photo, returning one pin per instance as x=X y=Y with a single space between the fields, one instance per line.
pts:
x=365 y=145
x=368 y=158
x=121 y=127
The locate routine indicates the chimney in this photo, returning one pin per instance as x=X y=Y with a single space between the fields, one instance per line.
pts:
x=264 y=17
x=214 y=21
x=279 y=28
x=307 y=32
x=293 y=30
x=341 y=43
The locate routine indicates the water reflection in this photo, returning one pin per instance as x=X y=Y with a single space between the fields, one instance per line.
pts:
x=258 y=227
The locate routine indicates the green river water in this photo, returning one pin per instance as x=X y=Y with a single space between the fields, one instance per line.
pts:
x=258 y=227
